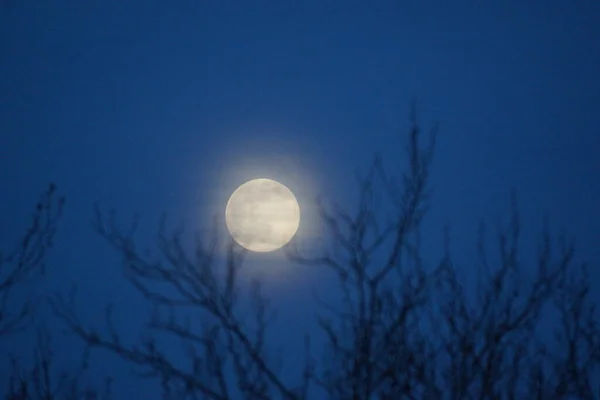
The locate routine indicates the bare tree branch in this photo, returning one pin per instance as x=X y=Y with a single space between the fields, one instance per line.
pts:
x=26 y=261
x=405 y=326
x=40 y=382
x=219 y=346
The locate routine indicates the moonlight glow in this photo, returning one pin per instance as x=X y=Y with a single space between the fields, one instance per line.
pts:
x=262 y=215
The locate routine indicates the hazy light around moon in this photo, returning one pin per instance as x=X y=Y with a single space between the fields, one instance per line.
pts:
x=262 y=215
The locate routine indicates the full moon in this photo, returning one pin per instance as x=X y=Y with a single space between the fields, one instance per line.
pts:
x=262 y=215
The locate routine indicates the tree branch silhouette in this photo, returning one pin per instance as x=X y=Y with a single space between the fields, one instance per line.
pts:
x=26 y=261
x=40 y=382
x=406 y=326
x=223 y=345
x=407 y=330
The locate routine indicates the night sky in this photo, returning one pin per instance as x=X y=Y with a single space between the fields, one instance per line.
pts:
x=152 y=106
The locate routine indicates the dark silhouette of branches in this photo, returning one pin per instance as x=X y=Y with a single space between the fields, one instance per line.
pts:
x=424 y=333
x=405 y=330
x=26 y=261
x=226 y=353
x=22 y=265
x=405 y=327
x=375 y=349
x=40 y=382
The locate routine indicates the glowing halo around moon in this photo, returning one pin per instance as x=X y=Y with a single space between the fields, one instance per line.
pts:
x=262 y=215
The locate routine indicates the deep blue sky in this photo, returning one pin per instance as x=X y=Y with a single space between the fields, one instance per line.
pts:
x=168 y=106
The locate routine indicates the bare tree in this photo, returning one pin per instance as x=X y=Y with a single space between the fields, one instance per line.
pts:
x=408 y=330
x=24 y=264
x=375 y=347
x=26 y=261
x=41 y=381
x=227 y=353
x=406 y=327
